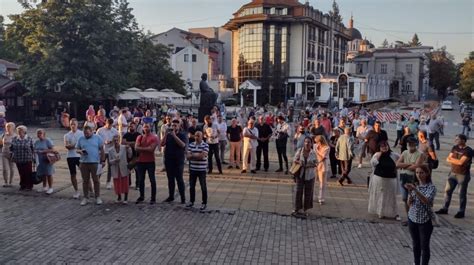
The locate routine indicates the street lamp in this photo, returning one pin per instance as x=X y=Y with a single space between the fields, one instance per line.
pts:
x=286 y=91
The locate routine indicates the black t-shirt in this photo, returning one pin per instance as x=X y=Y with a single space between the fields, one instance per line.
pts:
x=457 y=154
x=373 y=140
x=172 y=149
x=263 y=130
x=234 y=133
x=131 y=137
x=318 y=131
x=192 y=130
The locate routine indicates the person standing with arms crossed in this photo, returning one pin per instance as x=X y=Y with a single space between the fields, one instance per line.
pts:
x=264 y=133
x=197 y=157
x=250 y=147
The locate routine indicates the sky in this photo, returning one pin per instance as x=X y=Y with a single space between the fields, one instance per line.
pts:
x=438 y=23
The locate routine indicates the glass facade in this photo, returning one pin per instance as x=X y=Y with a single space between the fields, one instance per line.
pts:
x=263 y=57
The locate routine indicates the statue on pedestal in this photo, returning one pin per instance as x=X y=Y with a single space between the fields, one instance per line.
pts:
x=208 y=98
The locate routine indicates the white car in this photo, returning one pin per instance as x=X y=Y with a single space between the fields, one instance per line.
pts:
x=447 y=105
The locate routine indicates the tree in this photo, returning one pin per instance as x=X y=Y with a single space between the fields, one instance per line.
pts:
x=467 y=78
x=384 y=44
x=93 y=49
x=442 y=71
x=334 y=13
x=415 y=42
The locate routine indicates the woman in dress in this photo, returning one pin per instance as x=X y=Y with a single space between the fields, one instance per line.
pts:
x=321 y=148
x=420 y=202
x=383 y=185
x=100 y=118
x=307 y=158
x=44 y=169
x=7 y=162
x=23 y=155
x=118 y=157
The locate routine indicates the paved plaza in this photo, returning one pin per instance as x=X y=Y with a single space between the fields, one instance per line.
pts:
x=248 y=221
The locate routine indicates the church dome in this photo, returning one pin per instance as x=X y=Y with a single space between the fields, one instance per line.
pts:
x=354 y=34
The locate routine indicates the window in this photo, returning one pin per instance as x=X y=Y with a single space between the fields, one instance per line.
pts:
x=194 y=57
x=186 y=58
x=383 y=69
x=318 y=89
x=359 y=68
x=409 y=68
x=409 y=86
x=351 y=89
x=310 y=92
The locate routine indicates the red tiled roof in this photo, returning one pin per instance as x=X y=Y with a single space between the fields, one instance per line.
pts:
x=274 y=2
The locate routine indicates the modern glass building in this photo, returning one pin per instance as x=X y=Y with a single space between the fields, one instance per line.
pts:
x=286 y=46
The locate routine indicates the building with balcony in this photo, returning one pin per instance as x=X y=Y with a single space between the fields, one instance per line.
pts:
x=287 y=46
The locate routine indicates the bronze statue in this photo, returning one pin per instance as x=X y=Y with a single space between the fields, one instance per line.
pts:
x=208 y=98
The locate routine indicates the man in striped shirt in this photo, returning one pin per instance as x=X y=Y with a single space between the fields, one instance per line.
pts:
x=197 y=156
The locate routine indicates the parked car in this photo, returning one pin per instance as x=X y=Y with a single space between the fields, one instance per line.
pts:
x=447 y=105
x=230 y=101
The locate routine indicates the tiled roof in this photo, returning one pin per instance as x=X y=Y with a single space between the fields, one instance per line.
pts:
x=274 y=2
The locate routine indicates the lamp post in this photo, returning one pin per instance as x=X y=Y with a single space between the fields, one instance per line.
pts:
x=331 y=87
x=286 y=91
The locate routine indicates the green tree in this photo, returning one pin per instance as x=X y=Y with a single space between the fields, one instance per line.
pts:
x=442 y=71
x=334 y=13
x=415 y=42
x=467 y=78
x=92 y=48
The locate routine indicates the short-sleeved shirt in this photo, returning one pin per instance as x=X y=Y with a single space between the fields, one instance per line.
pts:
x=172 y=149
x=212 y=137
x=71 y=138
x=131 y=137
x=459 y=152
x=374 y=139
x=148 y=120
x=147 y=140
x=41 y=145
x=107 y=135
x=318 y=131
x=198 y=165
x=425 y=148
x=264 y=130
x=409 y=158
x=234 y=133
x=92 y=145
x=249 y=141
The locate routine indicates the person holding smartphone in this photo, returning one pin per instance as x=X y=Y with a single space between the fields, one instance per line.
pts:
x=420 y=202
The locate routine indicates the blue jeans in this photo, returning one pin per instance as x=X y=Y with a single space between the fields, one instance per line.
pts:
x=465 y=130
x=174 y=172
x=141 y=169
x=421 y=235
x=453 y=181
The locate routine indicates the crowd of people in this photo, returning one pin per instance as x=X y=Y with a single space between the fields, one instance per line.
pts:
x=325 y=144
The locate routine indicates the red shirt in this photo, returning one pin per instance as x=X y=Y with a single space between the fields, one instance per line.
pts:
x=326 y=123
x=144 y=141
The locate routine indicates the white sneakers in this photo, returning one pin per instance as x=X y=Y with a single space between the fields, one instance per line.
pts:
x=359 y=166
x=84 y=202
x=98 y=201
x=109 y=185
x=44 y=189
x=49 y=191
x=76 y=195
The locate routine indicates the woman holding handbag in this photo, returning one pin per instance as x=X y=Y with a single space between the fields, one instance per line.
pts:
x=45 y=169
x=23 y=155
x=420 y=214
x=307 y=159
x=118 y=157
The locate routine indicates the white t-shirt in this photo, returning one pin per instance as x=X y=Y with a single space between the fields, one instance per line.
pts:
x=107 y=135
x=71 y=138
x=248 y=141
x=222 y=127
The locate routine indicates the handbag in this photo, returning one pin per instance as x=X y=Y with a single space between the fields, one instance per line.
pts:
x=53 y=157
x=296 y=168
x=433 y=164
x=34 y=176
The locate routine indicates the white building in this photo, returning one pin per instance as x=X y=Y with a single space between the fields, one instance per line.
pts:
x=190 y=63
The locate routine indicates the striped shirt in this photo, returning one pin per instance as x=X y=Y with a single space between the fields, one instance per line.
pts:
x=194 y=148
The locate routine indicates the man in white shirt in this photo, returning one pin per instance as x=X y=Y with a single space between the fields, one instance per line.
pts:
x=361 y=134
x=435 y=127
x=70 y=140
x=122 y=123
x=222 y=131
x=250 y=146
x=107 y=134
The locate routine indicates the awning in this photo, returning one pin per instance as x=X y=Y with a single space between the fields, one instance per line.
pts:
x=129 y=95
